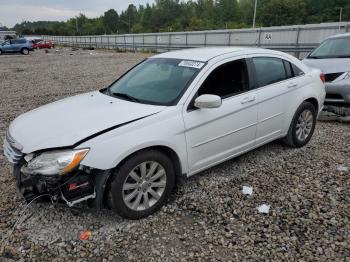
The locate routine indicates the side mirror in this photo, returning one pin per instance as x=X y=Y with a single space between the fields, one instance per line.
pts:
x=208 y=101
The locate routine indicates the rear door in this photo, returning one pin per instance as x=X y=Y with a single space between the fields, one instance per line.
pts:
x=15 y=46
x=216 y=134
x=276 y=87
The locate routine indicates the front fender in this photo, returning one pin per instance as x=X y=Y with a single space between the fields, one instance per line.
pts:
x=164 y=129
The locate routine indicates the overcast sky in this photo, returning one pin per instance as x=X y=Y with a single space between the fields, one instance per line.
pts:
x=16 y=11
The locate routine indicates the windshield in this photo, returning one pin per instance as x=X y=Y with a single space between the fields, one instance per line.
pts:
x=333 y=48
x=157 y=81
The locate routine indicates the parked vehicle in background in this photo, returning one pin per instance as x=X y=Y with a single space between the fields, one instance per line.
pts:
x=20 y=45
x=332 y=56
x=174 y=114
x=44 y=44
x=35 y=41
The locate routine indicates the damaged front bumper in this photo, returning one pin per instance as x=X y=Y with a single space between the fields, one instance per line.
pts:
x=71 y=189
x=338 y=94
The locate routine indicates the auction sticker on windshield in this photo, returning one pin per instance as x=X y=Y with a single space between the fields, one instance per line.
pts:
x=193 y=64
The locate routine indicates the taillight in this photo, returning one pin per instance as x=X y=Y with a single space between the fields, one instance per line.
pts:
x=323 y=78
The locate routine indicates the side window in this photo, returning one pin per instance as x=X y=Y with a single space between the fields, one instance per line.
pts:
x=269 y=70
x=226 y=80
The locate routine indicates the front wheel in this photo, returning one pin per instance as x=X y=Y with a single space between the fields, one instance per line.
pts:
x=141 y=185
x=302 y=126
x=25 y=51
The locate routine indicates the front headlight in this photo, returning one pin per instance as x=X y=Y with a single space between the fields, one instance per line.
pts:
x=55 y=162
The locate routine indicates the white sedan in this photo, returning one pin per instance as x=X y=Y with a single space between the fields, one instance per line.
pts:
x=174 y=114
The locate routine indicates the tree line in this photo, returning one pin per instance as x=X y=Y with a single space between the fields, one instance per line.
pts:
x=173 y=15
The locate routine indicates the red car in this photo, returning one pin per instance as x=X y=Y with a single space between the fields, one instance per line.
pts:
x=44 y=44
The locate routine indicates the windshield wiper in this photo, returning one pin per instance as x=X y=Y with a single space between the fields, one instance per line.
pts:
x=342 y=56
x=125 y=96
x=314 y=57
x=329 y=57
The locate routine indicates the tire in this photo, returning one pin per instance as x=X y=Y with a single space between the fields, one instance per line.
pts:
x=302 y=126
x=25 y=51
x=134 y=199
x=0 y=52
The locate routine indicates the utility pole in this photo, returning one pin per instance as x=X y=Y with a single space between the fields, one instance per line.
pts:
x=127 y=23
x=256 y=2
x=76 y=24
x=340 y=14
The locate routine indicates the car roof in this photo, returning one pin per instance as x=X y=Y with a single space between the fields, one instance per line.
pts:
x=204 y=54
x=339 y=36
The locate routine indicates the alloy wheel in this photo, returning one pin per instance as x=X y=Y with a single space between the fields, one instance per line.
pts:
x=144 y=185
x=304 y=125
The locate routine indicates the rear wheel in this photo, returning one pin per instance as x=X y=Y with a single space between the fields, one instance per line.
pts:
x=25 y=51
x=141 y=185
x=302 y=126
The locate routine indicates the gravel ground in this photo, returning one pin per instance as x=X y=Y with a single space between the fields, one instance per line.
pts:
x=208 y=217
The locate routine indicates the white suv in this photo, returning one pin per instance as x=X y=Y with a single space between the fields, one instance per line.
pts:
x=173 y=114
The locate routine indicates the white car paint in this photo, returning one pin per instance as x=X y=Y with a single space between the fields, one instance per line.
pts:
x=67 y=121
x=200 y=138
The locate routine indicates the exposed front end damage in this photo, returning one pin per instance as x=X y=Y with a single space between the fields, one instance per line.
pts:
x=341 y=111
x=338 y=97
x=84 y=184
x=55 y=179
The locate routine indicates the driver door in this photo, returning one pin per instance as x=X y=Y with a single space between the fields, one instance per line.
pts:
x=216 y=134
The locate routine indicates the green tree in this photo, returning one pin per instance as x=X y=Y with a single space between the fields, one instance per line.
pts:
x=227 y=11
x=320 y=11
x=282 y=12
x=176 y=15
x=110 y=21
x=246 y=11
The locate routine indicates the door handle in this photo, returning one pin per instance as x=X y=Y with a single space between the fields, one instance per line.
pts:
x=292 y=84
x=247 y=99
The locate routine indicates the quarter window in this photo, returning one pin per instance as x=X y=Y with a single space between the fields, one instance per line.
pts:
x=297 y=71
x=226 y=80
x=289 y=70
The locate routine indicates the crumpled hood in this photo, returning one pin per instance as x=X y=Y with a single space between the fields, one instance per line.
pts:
x=329 y=65
x=67 y=121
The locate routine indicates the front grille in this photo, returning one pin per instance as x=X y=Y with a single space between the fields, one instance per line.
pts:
x=334 y=96
x=13 y=154
x=332 y=77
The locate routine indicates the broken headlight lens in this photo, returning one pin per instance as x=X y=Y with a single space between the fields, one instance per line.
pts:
x=55 y=162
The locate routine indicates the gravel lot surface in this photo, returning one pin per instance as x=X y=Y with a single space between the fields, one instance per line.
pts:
x=208 y=217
